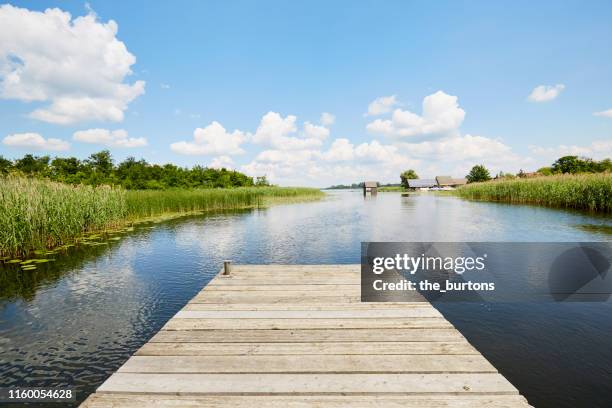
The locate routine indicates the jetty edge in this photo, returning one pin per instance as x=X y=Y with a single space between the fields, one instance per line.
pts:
x=298 y=336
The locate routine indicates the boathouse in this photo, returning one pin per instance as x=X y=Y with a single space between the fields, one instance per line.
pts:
x=447 y=181
x=421 y=184
x=370 y=187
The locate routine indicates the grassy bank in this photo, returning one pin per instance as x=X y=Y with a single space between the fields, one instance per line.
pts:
x=41 y=214
x=592 y=192
x=150 y=203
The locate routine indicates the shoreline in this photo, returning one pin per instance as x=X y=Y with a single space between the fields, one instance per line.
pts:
x=41 y=216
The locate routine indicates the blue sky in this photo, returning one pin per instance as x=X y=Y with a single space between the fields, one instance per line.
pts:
x=261 y=70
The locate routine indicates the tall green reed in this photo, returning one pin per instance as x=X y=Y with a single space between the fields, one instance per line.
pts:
x=39 y=214
x=592 y=192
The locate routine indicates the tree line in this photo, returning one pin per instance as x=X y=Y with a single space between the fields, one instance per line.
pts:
x=100 y=168
x=563 y=165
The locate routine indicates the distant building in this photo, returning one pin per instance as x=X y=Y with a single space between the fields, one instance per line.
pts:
x=448 y=181
x=421 y=184
x=370 y=187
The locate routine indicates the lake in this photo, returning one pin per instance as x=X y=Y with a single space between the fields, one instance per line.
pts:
x=76 y=320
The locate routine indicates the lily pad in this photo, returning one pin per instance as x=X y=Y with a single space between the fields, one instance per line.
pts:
x=13 y=261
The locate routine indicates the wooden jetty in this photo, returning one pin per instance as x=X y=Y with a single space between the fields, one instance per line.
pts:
x=297 y=336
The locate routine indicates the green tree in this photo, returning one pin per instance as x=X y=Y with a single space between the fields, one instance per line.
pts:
x=262 y=181
x=567 y=164
x=5 y=165
x=30 y=164
x=100 y=167
x=478 y=173
x=408 y=175
x=546 y=171
x=604 y=165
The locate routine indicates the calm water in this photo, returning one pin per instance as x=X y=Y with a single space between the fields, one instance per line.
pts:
x=76 y=320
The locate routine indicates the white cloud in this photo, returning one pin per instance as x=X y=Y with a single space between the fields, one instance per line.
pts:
x=290 y=158
x=455 y=155
x=605 y=114
x=441 y=116
x=273 y=126
x=164 y=86
x=342 y=162
x=110 y=138
x=35 y=141
x=341 y=150
x=212 y=140
x=381 y=105
x=327 y=119
x=545 y=93
x=466 y=147
x=315 y=131
x=277 y=132
x=221 y=162
x=76 y=65
x=375 y=151
x=598 y=149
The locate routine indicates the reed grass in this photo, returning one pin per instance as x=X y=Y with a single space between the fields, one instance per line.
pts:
x=148 y=203
x=41 y=214
x=36 y=214
x=591 y=192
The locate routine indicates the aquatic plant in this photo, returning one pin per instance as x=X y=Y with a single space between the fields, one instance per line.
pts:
x=592 y=192
x=40 y=214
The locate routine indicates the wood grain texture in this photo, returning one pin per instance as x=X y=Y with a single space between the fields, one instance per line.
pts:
x=365 y=363
x=305 y=401
x=299 y=384
x=306 y=335
x=272 y=349
x=298 y=336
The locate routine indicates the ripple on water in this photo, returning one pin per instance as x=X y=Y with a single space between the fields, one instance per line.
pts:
x=76 y=320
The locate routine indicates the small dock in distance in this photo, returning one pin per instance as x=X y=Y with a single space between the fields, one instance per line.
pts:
x=298 y=336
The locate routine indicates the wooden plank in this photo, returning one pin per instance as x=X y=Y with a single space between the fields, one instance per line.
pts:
x=297 y=384
x=306 y=307
x=295 y=268
x=342 y=348
x=288 y=336
x=305 y=401
x=345 y=290
x=275 y=294
x=282 y=297
x=250 y=287
x=308 y=314
x=382 y=364
x=280 y=324
x=298 y=276
x=306 y=336
x=285 y=280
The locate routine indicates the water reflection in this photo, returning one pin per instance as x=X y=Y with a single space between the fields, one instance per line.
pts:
x=77 y=319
